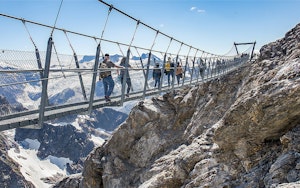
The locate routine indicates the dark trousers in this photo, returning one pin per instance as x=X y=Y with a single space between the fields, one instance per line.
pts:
x=128 y=82
x=109 y=85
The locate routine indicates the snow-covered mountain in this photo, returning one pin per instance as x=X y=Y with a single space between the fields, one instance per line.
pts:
x=117 y=57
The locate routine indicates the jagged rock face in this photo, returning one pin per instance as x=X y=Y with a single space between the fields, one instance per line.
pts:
x=10 y=175
x=241 y=130
x=6 y=108
x=286 y=48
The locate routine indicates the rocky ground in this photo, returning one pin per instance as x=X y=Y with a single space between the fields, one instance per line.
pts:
x=241 y=130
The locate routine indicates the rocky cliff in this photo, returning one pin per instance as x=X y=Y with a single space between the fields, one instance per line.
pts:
x=241 y=130
x=10 y=175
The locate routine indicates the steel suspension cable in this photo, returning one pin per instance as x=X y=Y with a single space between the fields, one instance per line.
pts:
x=137 y=24
x=23 y=21
x=80 y=34
x=69 y=42
x=120 y=49
x=108 y=13
x=58 y=60
x=57 y=17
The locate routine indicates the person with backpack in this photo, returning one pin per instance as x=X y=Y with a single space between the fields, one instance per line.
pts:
x=178 y=72
x=156 y=75
x=122 y=74
x=169 y=69
x=105 y=76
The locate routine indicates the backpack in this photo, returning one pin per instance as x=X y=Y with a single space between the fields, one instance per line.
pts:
x=167 y=66
x=103 y=73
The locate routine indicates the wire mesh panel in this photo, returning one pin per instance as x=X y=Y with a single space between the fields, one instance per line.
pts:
x=63 y=82
x=19 y=80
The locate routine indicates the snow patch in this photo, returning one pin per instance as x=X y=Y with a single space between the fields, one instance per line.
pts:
x=126 y=108
x=31 y=144
x=34 y=169
x=97 y=140
x=61 y=162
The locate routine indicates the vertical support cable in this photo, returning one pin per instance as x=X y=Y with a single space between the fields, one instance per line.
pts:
x=148 y=66
x=45 y=83
x=141 y=61
x=77 y=66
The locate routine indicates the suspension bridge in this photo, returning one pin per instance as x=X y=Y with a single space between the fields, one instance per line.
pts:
x=62 y=84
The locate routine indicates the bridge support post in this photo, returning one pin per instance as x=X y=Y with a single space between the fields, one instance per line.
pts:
x=192 y=74
x=44 y=97
x=96 y=65
x=147 y=74
x=174 y=73
x=194 y=71
x=237 y=52
x=252 y=50
x=80 y=77
x=162 y=72
x=200 y=70
x=39 y=63
x=185 y=69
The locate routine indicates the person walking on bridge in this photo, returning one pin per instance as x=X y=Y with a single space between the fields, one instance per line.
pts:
x=169 y=70
x=122 y=75
x=156 y=75
x=105 y=75
x=178 y=72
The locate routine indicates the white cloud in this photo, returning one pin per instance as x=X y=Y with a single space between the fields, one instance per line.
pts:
x=200 y=11
x=193 y=8
x=197 y=10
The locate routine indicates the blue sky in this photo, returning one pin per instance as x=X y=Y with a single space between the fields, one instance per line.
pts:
x=210 y=25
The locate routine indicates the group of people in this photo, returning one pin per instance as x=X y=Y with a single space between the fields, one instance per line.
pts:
x=169 y=71
x=108 y=82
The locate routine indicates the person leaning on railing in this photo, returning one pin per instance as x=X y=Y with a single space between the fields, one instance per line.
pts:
x=108 y=82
